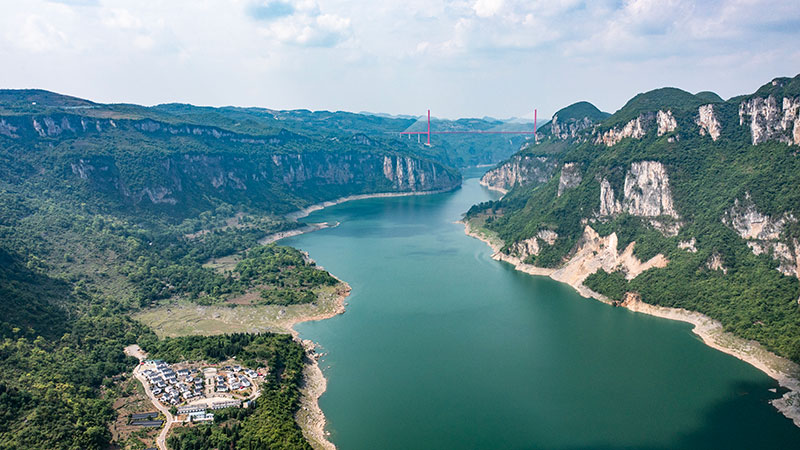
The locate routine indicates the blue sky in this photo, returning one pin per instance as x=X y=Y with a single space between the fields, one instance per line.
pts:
x=467 y=58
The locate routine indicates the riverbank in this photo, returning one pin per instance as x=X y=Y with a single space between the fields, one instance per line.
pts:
x=299 y=214
x=183 y=318
x=493 y=187
x=785 y=372
x=274 y=237
x=310 y=417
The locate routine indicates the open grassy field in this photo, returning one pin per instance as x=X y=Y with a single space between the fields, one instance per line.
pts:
x=182 y=318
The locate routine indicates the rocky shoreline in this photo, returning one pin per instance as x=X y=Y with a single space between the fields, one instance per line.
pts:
x=785 y=372
x=310 y=417
x=493 y=187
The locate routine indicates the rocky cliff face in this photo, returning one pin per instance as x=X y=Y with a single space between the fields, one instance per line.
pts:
x=189 y=164
x=636 y=129
x=410 y=174
x=570 y=177
x=708 y=123
x=594 y=252
x=175 y=179
x=765 y=234
x=531 y=247
x=66 y=126
x=772 y=119
x=666 y=122
x=568 y=129
x=646 y=192
x=520 y=170
x=609 y=205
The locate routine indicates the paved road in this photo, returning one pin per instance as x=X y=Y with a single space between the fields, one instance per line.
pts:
x=161 y=440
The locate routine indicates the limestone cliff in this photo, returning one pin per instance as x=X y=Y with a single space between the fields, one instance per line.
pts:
x=173 y=178
x=594 y=252
x=707 y=121
x=765 y=234
x=567 y=129
x=519 y=170
x=646 y=192
x=770 y=118
x=570 y=177
x=531 y=247
x=591 y=253
x=666 y=122
x=570 y=122
x=180 y=167
x=636 y=129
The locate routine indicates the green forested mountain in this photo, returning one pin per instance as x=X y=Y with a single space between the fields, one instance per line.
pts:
x=105 y=209
x=181 y=160
x=711 y=185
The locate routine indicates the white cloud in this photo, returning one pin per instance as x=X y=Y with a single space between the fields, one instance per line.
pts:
x=487 y=8
x=37 y=34
x=302 y=23
x=122 y=19
x=395 y=55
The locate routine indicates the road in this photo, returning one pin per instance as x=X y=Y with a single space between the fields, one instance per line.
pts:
x=161 y=440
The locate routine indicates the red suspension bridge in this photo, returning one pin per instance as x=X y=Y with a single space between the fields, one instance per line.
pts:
x=430 y=132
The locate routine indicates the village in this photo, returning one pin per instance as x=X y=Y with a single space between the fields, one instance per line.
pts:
x=195 y=390
x=188 y=392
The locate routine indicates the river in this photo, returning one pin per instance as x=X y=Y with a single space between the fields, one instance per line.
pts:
x=442 y=347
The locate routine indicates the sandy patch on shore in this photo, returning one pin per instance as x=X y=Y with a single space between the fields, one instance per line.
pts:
x=274 y=237
x=784 y=371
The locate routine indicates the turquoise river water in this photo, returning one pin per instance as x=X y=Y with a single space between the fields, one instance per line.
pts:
x=442 y=347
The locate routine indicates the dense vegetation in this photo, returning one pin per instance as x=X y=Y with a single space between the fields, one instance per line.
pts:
x=67 y=287
x=751 y=298
x=579 y=111
x=106 y=209
x=51 y=394
x=286 y=277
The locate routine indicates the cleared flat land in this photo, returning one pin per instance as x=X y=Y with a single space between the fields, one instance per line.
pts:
x=182 y=318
